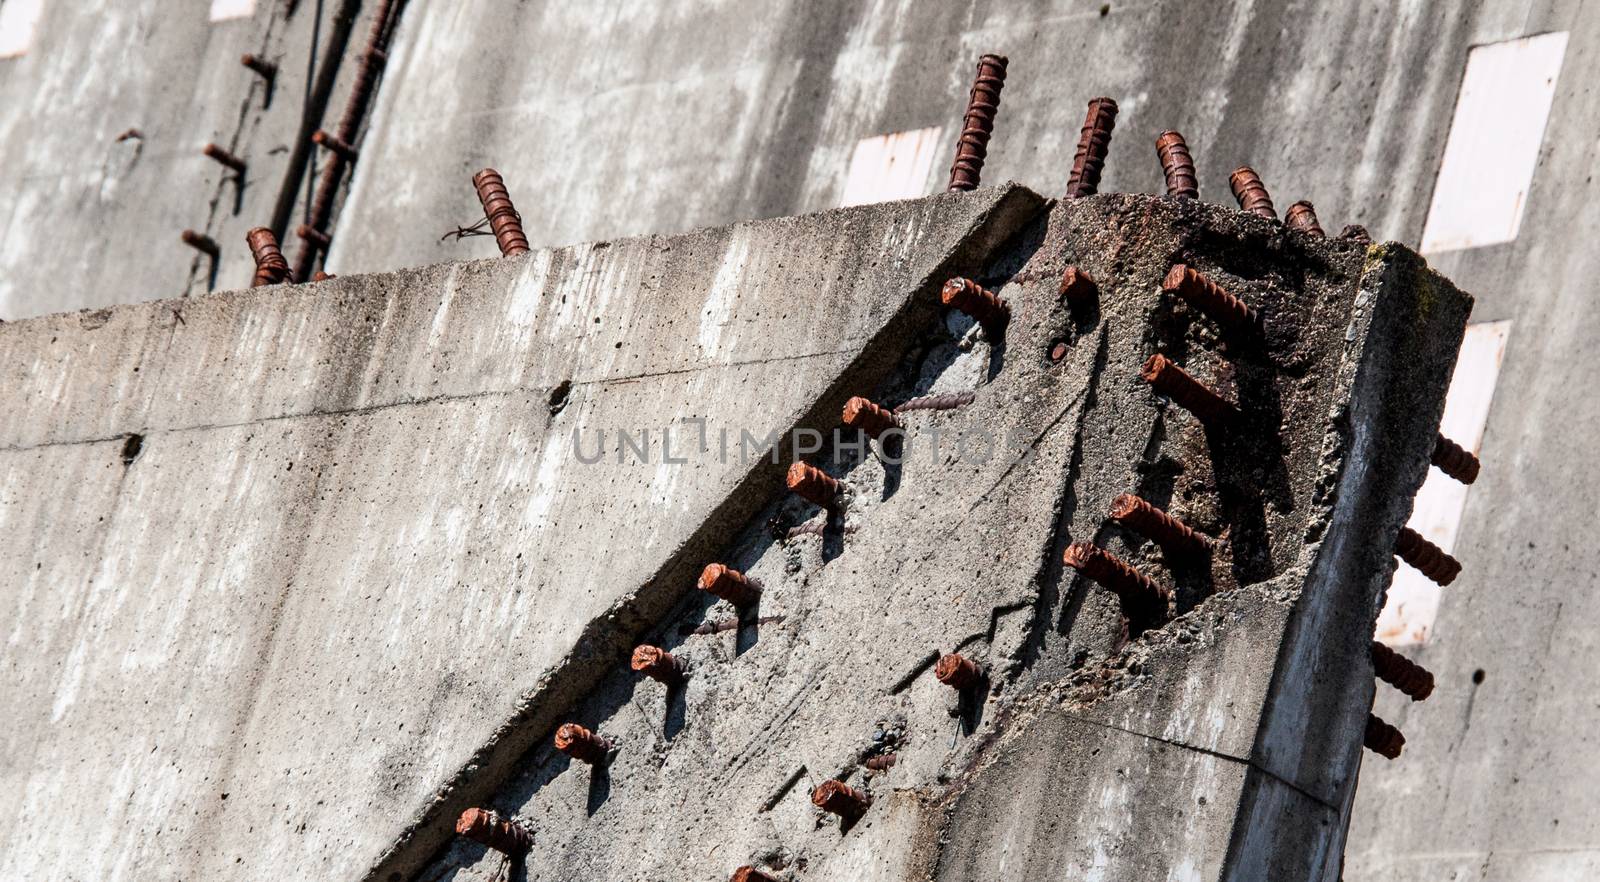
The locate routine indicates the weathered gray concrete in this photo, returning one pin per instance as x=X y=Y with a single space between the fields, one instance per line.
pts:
x=1493 y=785
x=637 y=119
x=263 y=645
x=87 y=220
x=1343 y=103
x=1220 y=746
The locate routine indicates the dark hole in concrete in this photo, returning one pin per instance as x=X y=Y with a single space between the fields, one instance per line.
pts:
x=559 y=395
x=131 y=448
x=1477 y=676
x=1105 y=10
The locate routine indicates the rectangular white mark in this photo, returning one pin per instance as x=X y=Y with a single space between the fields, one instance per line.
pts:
x=223 y=10
x=1493 y=148
x=893 y=166
x=1413 y=602
x=18 y=18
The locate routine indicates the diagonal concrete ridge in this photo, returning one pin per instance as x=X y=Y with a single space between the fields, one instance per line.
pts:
x=355 y=561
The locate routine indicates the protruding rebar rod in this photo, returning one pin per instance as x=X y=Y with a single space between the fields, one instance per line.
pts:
x=1433 y=561
x=1177 y=165
x=1112 y=573
x=1400 y=672
x=972 y=147
x=1251 y=193
x=1093 y=144
x=1302 y=216
x=488 y=828
x=1198 y=290
x=1382 y=738
x=1455 y=460
x=335 y=144
x=271 y=266
x=1175 y=537
x=1189 y=393
x=224 y=157
x=502 y=215
x=201 y=243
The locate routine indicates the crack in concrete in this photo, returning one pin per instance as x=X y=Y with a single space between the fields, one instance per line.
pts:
x=1214 y=753
x=444 y=398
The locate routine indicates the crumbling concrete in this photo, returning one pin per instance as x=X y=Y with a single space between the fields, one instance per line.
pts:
x=322 y=619
x=1221 y=744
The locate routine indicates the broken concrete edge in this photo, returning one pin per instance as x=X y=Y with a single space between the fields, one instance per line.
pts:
x=1400 y=354
x=607 y=640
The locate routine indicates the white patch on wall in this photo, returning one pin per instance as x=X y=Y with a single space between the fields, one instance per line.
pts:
x=893 y=166
x=1413 y=604
x=223 y=10
x=1489 y=159
x=18 y=18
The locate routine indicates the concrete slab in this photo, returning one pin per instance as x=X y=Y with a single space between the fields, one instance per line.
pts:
x=368 y=568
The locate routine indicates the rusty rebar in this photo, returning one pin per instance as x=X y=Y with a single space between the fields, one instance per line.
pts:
x=1177 y=165
x=967 y=296
x=729 y=584
x=263 y=68
x=1400 y=672
x=940 y=401
x=838 y=798
x=487 y=828
x=1427 y=557
x=361 y=88
x=1111 y=573
x=812 y=484
x=748 y=873
x=335 y=144
x=883 y=762
x=1078 y=288
x=1197 y=290
x=320 y=276
x=222 y=156
x=201 y=243
x=581 y=744
x=957 y=672
x=873 y=419
x=1455 y=460
x=1251 y=193
x=657 y=664
x=977 y=125
x=1093 y=143
x=1189 y=393
x=313 y=237
x=1302 y=216
x=1174 y=537
x=502 y=215
x=271 y=266
x=1382 y=738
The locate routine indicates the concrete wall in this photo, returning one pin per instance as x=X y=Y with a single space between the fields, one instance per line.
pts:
x=262 y=640
x=1346 y=104
x=297 y=631
x=89 y=218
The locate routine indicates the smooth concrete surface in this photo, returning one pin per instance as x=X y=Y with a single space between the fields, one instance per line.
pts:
x=354 y=538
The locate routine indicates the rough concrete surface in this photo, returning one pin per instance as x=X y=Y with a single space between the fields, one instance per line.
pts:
x=1220 y=745
x=260 y=639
